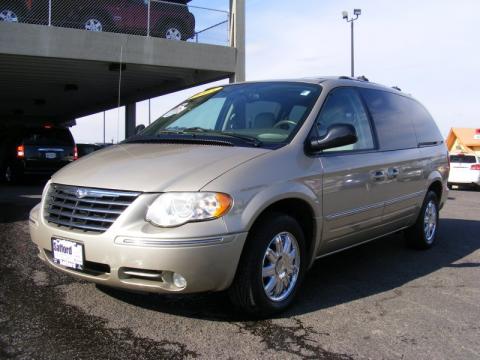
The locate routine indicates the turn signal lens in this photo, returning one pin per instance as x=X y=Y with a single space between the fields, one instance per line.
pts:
x=75 y=153
x=20 y=151
x=175 y=209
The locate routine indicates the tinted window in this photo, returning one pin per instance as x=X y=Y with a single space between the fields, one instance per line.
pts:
x=48 y=137
x=425 y=127
x=344 y=106
x=468 y=159
x=393 y=119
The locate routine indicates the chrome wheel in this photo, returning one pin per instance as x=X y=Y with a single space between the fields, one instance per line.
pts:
x=8 y=16
x=173 y=34
x=93 y=25
x=281 y=266
x=430 y=221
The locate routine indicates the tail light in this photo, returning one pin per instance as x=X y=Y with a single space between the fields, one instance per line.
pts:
x=475 y=167
x=20 y=151
x=75 y=153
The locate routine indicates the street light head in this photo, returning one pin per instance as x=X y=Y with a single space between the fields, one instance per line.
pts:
x=357 y=12
x=345 y=14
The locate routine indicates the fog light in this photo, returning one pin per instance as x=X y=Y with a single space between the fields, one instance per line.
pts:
x=179 y=281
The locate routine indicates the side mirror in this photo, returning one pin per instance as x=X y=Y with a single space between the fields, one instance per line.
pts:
x=337 y=135
x=139 y=128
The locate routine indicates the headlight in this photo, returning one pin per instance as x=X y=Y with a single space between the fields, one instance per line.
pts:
x=174 y=209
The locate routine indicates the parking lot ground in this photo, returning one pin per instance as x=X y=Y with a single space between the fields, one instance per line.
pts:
x=377 y=301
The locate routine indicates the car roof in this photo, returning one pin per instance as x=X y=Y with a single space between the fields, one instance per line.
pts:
x=336 y=81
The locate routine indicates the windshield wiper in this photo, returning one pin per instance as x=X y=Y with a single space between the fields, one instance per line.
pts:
x=249 y=139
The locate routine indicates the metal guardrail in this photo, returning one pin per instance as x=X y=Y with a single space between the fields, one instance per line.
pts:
x=169 y=19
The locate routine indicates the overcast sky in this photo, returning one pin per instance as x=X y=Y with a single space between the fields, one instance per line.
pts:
x=430 y=49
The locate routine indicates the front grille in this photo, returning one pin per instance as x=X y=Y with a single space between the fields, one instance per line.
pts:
x=85 y=209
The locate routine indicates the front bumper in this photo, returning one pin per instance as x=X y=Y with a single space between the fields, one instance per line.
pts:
x=208 y=263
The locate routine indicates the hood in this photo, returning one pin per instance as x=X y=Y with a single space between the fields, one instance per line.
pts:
x=154 y=167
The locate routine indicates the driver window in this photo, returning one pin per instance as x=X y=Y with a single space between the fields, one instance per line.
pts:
x=343 y=106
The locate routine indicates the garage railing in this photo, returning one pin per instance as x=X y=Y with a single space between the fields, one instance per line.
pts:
x=169 y=19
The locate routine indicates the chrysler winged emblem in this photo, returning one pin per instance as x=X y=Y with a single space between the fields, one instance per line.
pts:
x=81 y=193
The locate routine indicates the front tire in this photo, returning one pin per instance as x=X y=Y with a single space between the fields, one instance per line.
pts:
x=94 y=23
x=272 y=266
x=423 y=234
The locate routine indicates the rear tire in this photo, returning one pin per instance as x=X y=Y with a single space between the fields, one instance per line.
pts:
x=10 y=13
x=423 y=234
x=271 y=268
x=171 y=31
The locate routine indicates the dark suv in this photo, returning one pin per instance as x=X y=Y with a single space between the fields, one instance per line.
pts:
x=35 y=151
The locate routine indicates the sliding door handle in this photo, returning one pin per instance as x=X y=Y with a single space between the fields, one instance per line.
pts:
x=378 y=175
x=392 y=173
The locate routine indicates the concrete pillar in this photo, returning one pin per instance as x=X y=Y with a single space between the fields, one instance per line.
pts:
x=237 y=37
x=130 y=119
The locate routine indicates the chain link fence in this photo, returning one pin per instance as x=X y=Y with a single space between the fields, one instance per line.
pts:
x=169 y=19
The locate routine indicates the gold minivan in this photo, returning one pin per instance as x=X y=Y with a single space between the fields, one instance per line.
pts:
x=243 y=186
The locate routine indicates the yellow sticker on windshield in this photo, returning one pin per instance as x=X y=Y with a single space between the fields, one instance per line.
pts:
x=206 y=92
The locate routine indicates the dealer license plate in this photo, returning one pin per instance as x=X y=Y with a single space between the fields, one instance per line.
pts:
x=68 y=253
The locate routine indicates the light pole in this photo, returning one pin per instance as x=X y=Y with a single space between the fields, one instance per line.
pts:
x=356 y=13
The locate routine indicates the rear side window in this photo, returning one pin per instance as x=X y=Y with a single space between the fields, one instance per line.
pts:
x=48 y=137
x=466 y=159
x=393 y=119
x=425 y=127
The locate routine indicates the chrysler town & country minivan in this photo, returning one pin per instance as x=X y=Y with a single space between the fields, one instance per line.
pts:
x=243 y=186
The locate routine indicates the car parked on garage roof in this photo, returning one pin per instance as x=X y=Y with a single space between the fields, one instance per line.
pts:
x=243 y=186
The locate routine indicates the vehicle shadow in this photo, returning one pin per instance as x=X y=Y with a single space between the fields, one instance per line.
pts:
x=370 y=269
x=16 y=201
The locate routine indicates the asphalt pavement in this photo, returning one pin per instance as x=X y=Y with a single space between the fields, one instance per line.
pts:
x=377 y=301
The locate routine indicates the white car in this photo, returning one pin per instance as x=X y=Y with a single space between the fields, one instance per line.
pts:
x=464 y=170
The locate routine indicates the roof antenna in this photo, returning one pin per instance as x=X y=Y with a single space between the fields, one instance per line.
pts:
x=396 y=88
x=362 y=78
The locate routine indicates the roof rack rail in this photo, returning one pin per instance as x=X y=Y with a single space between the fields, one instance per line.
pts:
x=396 y=88
x=362 y=78
x=345 y=77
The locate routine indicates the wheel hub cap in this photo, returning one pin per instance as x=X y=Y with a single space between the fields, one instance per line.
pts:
x=430 y=221
x=281 y=265
x=8 y=16
x=93 y=25
x=173 y=34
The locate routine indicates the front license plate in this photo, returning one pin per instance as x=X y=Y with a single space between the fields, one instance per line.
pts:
x=50 y=155
x=67 y=253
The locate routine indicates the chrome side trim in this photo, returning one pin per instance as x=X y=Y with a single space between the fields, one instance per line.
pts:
x=373 y=206
x=354 y=211
x=361 y=243
x=404 y=197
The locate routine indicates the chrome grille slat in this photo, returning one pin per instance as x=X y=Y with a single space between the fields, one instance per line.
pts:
x=85 y=209
x=79 y=226
x=92 y=201
x=81 y=217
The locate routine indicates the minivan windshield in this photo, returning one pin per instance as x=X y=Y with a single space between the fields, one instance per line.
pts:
x=254 y=114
